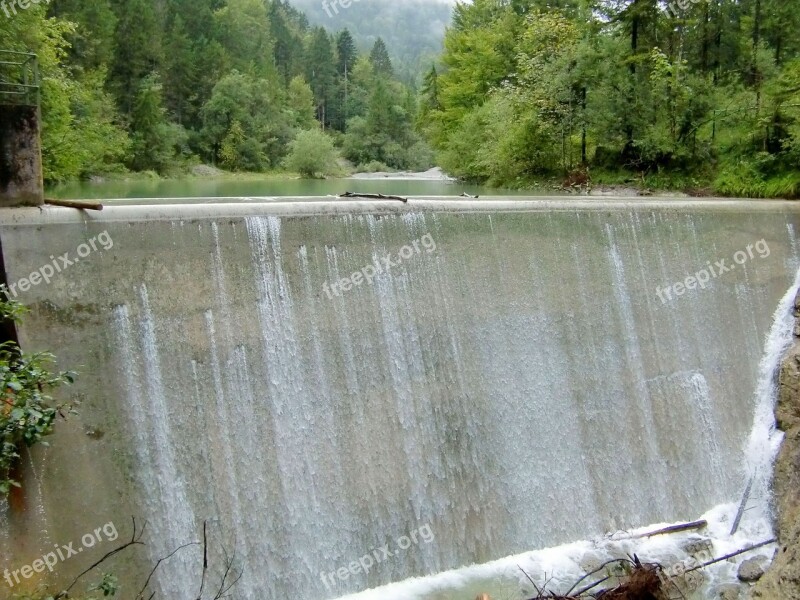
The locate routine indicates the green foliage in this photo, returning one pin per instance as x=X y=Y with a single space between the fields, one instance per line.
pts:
x=534 y=88
x=138 y=51
x=27 y=411
x=379 y=59
x=108 y=587
x=411 y=29
x=384 y=131
x=321 y=73
x=346 y=53
x=156 y=141
x=152 y=86
x=300 y=103
x=312 y=154
x=374 y=166
x=245 y=113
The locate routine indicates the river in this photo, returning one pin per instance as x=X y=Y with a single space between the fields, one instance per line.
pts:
x=228 y=189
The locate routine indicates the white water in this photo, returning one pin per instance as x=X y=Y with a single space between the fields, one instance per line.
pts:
x=456 y=391
x=557 y=569
x=517 y=389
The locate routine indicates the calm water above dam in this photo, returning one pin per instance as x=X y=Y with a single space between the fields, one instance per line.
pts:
x=186 y=190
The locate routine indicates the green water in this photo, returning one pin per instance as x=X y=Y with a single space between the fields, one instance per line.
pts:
x=242 y=190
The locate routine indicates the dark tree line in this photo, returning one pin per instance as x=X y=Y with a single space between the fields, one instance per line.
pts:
x=154 y=85
x=689 y=93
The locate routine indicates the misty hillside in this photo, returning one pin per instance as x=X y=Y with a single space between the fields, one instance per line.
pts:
x=412 y=29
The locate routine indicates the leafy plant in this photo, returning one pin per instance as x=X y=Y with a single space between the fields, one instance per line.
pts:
x=27 y=411
x=312 y=154
x=108 y=585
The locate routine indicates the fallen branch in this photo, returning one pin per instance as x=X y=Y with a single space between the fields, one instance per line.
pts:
x=372 y=196
x=742 y=504
x=673 y=529
x=140 y=596
x=639 y=582
x=222 y=592
x=136 y=540
x=72 y=204
x=583 y=590
x=597 y=570
x=732 y=554
x=205 y=563
x=230 y=576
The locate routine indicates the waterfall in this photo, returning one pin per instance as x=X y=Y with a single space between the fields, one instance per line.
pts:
x=338 y=425
x=559 y=567
x=514 y=387
x=169 y=514
x=765 y=439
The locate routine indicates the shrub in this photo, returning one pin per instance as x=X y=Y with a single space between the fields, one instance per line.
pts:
x=27 y=412
x=312 y=154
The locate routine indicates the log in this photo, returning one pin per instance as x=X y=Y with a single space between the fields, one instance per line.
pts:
x=72 y=204
x=742 y=504
x=732 y=554
x=673 y=529
x=373 y=196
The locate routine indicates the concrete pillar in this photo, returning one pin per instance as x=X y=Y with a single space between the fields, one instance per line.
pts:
x=21 y=182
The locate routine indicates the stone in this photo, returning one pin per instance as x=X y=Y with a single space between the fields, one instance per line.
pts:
x=591 y=561
x=751 y=569
x=729 y=591
x=698 y=546
x=206 y=171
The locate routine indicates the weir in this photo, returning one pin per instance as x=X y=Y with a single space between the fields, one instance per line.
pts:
x=516 y=383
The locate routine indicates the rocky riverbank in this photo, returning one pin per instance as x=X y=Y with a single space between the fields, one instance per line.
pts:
x=782 y=580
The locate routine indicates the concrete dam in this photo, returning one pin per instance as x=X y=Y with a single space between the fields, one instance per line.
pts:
x=319 y=379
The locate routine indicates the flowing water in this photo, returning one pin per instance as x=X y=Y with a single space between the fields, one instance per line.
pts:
x=561 y=567
x=514 y=382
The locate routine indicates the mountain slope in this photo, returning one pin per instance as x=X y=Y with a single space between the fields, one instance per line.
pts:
x=412 y=29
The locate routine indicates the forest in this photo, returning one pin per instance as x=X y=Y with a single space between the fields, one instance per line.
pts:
x=245 y=85
x=694 y=95
x=412 y=29
x=702 y=95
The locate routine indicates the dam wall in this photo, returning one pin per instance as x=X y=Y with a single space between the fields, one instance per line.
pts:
x=515 y=376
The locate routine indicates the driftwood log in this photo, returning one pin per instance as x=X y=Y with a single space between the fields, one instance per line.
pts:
x=74 y=204
x=372 y=196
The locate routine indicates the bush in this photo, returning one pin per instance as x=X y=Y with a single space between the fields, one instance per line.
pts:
x=374 y=166
x=27 y=412
x=312 y=154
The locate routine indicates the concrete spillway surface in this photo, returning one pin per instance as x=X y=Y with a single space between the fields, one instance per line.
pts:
x=318 y=379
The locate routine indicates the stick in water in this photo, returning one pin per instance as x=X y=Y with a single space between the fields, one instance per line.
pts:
x=674 y=529
x=732 y=554
x=739 y=514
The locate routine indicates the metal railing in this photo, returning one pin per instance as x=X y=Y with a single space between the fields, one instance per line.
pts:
x=20 y=81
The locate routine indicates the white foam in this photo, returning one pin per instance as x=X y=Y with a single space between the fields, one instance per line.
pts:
x=560 y=567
